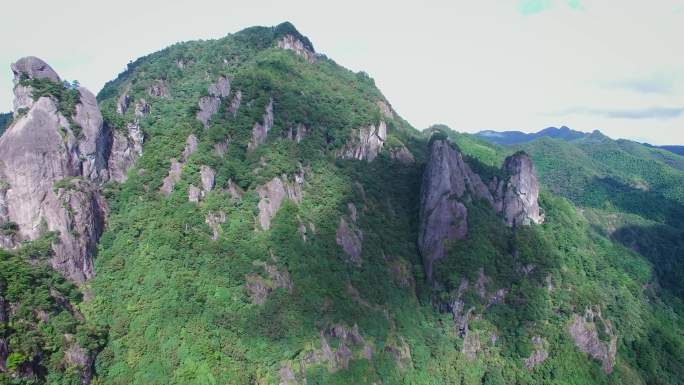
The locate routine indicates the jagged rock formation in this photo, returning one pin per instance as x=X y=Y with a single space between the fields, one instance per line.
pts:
x=176 y=168
x=126 y=148
x=516 y=198
x=42 y=148
x=235 y=103
x=259 y=288
x=443 y=218
x=539 y=355
x=260 y=130
x=401 y=154
x=365 y=143
x=214 y=221
x=159 y=89
x=584 y=331
x=349 y=236
x=272 y=195
x=209 y=105
x=297 y=133
x=300 y=48
x=448 y=181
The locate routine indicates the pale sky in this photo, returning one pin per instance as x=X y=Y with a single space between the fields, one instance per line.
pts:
x=612 y=65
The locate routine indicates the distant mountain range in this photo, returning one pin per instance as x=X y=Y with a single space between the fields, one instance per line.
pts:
x=564 y=133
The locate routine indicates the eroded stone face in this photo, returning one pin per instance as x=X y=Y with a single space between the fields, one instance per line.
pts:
x=584 y=331
x=365 y=144
x=272 y=195
x=290 y=42
x=443 y=218
x=261 y=129
x=42 y=148
x=517 y=197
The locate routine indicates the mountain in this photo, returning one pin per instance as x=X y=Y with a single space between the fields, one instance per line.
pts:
x=563 y=133
x=516 y=137
x=246 y=211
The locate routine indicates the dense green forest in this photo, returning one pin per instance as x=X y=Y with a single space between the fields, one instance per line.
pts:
x=180 y=298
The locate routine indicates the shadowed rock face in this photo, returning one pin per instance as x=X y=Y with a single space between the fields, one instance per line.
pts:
x=443 y=218
x=260 y=130
x=517 y=197
x=41 y=148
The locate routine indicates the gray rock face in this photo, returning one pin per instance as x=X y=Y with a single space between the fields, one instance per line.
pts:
x=209 y=105
x=272 y=195
x=290 y=42
x=365 y=144
x=260 y=130
x=235 y=103
x=385 y=109
x=34 y=68
x=517 y=196
x=297 y=133
x=94 y=139
x=402 y=155
x=350 y=239
x=214 y=221
x=123 y=103
x=22 y=98
x=142 y=108
x=539 y=355
x=194 y=194
x=207 y=175
x=42 y=148
x=175 y=171
x=259 y=288
x=443 y=218
x=159 y=89
x=126 y=148
x=584 y=331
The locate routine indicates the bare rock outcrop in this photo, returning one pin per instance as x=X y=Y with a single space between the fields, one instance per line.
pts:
x=297 y=133
x=539 y=355
x=209 y=105
x=365 y=143
x=259 y=287
x=584 y=330
x=443 y=217
x=402 y=154
x=290 y=42
x=126 y=148
x=273 y=194
x=517 y=196
x=34 y=68
x=176 y=168
x=349 y=236
x=261 y=129
x=42 y=147
x=214 y=221
x=159 y=89
x=235 y=103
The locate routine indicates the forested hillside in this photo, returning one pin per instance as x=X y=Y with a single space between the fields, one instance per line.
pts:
x=269 y=220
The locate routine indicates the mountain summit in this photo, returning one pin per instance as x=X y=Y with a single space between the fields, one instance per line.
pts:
x=246 y=211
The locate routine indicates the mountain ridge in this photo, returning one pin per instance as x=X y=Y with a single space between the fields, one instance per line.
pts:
x=270 y=219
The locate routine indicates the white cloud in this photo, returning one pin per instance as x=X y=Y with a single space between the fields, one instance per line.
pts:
x=472 y=64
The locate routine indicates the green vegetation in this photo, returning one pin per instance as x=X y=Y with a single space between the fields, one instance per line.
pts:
x=172 y=306
x=65 y=94
x=43 y=321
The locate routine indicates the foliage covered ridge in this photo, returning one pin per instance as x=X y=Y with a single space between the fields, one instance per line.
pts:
x=269 y=217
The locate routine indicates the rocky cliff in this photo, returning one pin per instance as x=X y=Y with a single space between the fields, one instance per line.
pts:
x=449 y=183
x=52 y=160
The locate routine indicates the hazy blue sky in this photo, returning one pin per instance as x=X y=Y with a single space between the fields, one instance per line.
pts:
x=613 y=65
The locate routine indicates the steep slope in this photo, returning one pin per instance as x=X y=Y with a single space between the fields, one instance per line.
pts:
x=272 y=220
